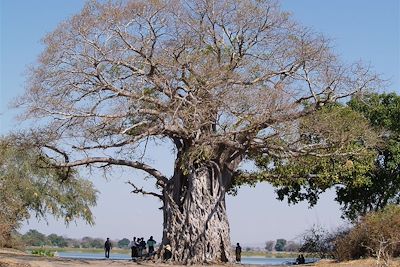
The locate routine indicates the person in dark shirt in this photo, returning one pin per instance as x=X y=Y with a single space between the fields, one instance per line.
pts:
x=107 y=248
x=150 y=244
x=238 y=252
x=133 y=246
x=143 y=246
x=300 y=259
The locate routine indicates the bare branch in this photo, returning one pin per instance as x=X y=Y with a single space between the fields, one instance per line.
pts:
x=138 y=190
x=161 y=179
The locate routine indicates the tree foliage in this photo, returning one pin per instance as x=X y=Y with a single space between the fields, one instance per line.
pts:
x=89 y=242
x=57 y=241
x=280 y=244
x=123 y=243
x=219 y=80
x=366 y=173
x=34 y=238
x=382 y=185
x=29 y=185
x=306 y=177
x=269 y=245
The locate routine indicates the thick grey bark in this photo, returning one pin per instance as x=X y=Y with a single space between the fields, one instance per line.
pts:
x=195 y=221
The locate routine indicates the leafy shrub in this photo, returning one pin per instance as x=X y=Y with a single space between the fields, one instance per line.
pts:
x=43 y=252
x=377 y=234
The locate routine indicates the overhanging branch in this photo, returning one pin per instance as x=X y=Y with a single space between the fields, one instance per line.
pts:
x=161 y=179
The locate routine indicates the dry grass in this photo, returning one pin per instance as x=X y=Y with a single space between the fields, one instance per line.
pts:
x=354 y=263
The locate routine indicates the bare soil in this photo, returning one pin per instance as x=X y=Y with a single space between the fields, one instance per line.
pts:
x=15 y=258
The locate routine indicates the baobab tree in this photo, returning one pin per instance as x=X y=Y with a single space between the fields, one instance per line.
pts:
x=219 y=79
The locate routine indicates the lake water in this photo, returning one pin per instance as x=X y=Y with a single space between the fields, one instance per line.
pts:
x=116 y=256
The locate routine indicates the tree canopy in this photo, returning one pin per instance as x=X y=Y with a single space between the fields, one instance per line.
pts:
x=30 y=185
x=366 y=181
x=280 y=244
x=382 y=186
x=123 y=243
x=219 y=80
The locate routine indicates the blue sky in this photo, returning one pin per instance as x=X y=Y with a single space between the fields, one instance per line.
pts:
x=359 y=29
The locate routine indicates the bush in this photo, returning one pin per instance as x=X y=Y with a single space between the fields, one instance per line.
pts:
x=280 y=244
x=318 y=241
x=269 y=245
x=377 y=234
x=9 y=237
x=43 y=252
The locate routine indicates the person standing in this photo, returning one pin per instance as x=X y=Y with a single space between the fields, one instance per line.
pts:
x=238 y=252
x=107 y=248
x=150 y=245
x=142 y=245
x=133 y=247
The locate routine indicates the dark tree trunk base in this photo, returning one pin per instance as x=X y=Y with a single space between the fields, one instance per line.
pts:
x=198 y=229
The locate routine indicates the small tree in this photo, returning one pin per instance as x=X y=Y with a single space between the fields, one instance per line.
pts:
x=86 y=242
x=29 y=184
x=123 y=243
x=319 y=241
x=34 y=238
x=280 y=244
x=269 y=245
x=56 y=240
x=90 y=242
x=73 y=243
x=96 y=243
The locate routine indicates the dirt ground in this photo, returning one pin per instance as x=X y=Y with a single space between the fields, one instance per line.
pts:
x=13 y=258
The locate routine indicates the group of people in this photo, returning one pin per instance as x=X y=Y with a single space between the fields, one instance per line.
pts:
x=138 y=247
x=300 y=259
x=238 y=251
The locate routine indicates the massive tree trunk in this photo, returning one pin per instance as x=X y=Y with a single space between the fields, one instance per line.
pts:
x=195 y=220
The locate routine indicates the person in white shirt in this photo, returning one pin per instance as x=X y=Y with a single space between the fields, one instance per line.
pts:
x=133 y=247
